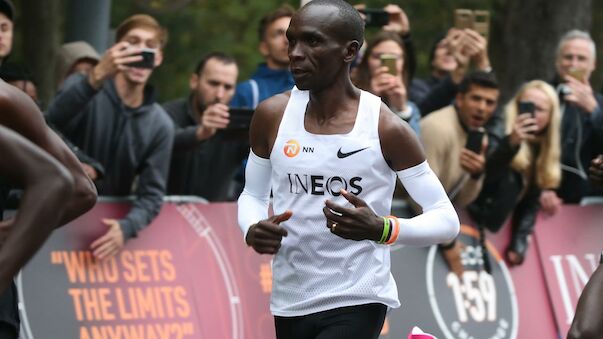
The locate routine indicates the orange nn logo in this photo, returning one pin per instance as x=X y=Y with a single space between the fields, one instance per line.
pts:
x=291 y=148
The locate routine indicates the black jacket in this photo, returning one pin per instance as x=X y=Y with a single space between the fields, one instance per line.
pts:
x=501 y=192
x=129 y=142
x=207 y=168
x=581 y=141
x=9 y=312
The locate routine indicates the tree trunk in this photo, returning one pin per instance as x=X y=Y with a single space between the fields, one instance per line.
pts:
x=527 y=35
x=41 y=39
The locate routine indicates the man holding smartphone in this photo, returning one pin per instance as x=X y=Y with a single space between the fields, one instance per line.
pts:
x=204 y=162
x=448 y=136
x=111 y=114
x=582 y=120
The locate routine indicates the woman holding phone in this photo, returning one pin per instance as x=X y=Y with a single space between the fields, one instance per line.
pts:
x=382 y=72
x=524 y=162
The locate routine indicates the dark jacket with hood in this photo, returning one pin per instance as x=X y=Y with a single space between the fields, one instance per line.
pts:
x=203 y=168
x=131 y=143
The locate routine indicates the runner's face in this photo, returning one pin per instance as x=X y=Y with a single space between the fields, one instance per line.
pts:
x=315 y=55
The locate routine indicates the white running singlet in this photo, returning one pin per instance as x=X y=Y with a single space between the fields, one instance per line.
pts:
x=315 y=270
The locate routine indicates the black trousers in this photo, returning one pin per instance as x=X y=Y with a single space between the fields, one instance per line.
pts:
x=8 y=331
x=358 y=322
x=9 y=313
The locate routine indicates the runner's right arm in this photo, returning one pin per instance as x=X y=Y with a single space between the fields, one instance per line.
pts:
x=261 y=232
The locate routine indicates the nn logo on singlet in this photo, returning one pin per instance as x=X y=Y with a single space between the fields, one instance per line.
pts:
x=321 y=185
x=292 y=148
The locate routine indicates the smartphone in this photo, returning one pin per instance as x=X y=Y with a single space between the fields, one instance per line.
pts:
x=527 y=107
x=481 y=22
x=463 y=18
x=375 y=17
x=389 y=60
x=148 y=59
x=474 y=140
x=576 y=73
x=240 y=118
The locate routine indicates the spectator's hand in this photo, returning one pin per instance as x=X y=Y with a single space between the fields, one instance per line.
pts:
x=214 y=117
x=265 y=237
x=114 y=60
x=455 y=42
x=396 y=95
x=581 y=94
x=90 y=171
x=5 y=229
x=398 y=20
x=361 y=7
x=550 y=202
x=476 y=47
x=472 y=162
x=596 y=170
x=358 y=223
x=110 y=243
x=390 y=87
x=524 y=129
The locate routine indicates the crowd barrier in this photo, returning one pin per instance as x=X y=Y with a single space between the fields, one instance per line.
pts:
x=189 y=275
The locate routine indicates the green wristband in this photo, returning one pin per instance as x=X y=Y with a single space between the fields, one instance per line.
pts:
x=385 y=230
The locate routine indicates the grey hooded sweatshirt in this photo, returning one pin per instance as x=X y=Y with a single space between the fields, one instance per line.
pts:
x=128 y=142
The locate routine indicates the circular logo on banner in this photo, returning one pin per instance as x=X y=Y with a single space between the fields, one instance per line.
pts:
x=477 y=305
x=291 y=148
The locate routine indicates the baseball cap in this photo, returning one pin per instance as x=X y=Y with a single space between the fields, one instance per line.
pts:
x=7 y=7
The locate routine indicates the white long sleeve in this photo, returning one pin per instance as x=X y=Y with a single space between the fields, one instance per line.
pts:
x=254 y=201
x=439 y=222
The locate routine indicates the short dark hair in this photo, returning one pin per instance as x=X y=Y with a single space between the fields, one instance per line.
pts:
x=354 y=29
x=285 y=11
x=220 y=56
x=478 y=78
x=8 y=9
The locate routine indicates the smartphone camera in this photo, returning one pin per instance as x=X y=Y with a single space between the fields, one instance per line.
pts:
x=477 y=20
x=375 y=17
x=527 y=107
x=577 y=73
x=148 y=59
x=389 y=61
x=474 y=140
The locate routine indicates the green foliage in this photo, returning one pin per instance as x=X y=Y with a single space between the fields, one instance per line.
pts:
x=199 y=27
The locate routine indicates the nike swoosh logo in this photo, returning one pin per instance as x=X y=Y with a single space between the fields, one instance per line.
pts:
x=342 y=155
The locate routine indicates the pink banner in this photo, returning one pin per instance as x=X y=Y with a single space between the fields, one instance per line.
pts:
x=190 y=275
x=569 y=244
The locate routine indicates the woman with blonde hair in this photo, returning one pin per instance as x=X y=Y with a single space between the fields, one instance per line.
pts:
x=522 y=164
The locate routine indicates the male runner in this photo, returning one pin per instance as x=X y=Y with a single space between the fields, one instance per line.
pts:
x=331 y=153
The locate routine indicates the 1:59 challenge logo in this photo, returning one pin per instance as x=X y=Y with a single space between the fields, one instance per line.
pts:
x=477 y=305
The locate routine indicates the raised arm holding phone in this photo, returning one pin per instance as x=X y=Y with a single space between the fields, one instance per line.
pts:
x=112 y=115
